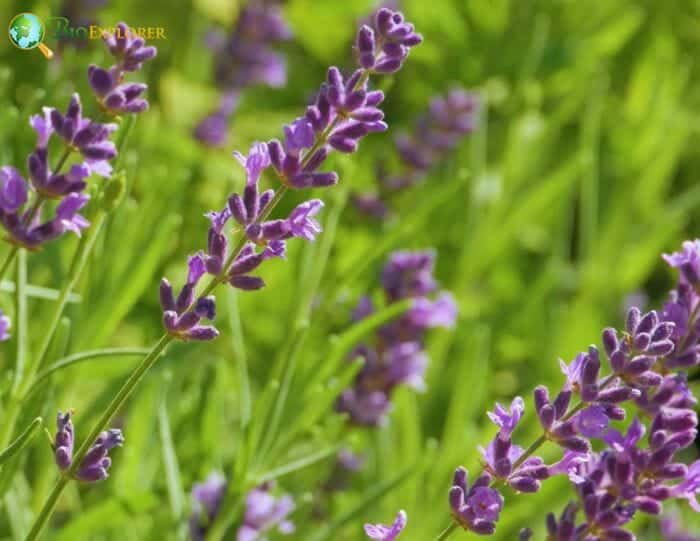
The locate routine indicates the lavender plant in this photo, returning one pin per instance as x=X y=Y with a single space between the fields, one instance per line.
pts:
x=242 y=59
x=387 y=533
x=47 y=206
x=20 y=214
x=647 y=363
x=438 y=132
x=398 y=357
x=345 y=111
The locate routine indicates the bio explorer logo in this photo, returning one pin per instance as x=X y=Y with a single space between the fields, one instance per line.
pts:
x=60 y=28
x=27 y=31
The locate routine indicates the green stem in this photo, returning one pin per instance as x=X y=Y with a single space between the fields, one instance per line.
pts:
x=21 y=323
x=80 y=259
x=8 y=261
x=78 y=358
x=26 y=378
x=106 y=417
x=48 y=509
x=447 y=532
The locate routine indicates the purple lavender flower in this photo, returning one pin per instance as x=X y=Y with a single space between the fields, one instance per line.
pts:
x=346 y=464
x=96 y=463
x=689 y=488
x=64 y=441
x=687 y=261
x=507 y=420
x=22 y=220
x=383 y=47
x=592 y=422
x=381 y=532
x=23 y=226
x=178 y=319
x=426 y=314
x=398 y=357
x=113 y=94
x=206 y=502
x=89 y=138
x=447 y=121
x=626 y=477
x=476 y=507
x=308 y=142
x=265 y=512
x=5 y=325
x=129 y=49
x=365 y=407
x=244 y=58
x=502 y=459
x=409 y=274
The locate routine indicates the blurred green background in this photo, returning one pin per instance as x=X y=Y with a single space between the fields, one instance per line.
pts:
x=582 y=171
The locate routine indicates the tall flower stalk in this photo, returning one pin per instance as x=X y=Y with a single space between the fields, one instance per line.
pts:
x=243 y=59
x=438 y=132
x=345 y=110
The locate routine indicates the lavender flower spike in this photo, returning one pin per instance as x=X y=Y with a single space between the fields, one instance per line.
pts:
x=345 y=110
x=507 y=421
x=476 y=507
x=380 y=532
x=96 y=463
x=206 y=502
x=398 y=357
x=264 y=512
x=113 y=94
x=5 y=325
x=438 y=132
x=64 y=441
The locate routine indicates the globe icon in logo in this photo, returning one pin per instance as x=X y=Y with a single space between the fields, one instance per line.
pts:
x=26 y=31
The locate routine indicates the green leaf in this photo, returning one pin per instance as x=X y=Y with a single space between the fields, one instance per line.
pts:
x=172 y=468
x=20 y=443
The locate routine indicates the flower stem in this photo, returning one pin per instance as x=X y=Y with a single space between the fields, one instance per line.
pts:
x=47 y=509
x=26 y=378
x=447 y=532
x=8 y=261
x=106 y=417
x=80 y=259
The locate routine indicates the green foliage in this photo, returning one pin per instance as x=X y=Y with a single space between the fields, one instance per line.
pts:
x=582 y=171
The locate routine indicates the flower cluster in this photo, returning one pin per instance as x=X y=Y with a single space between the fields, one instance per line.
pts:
x=397 y=357
x=113 y=94
x=94 y=467
x=626 y=476
x=244 y=58
x=437 y=132
x=263 y=511
x=206 y=502
x=344 y=111
x=21 y=216
x=381 y=532
x=5 y=325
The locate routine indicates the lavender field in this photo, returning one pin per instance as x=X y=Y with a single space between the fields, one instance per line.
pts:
x=340 y=271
